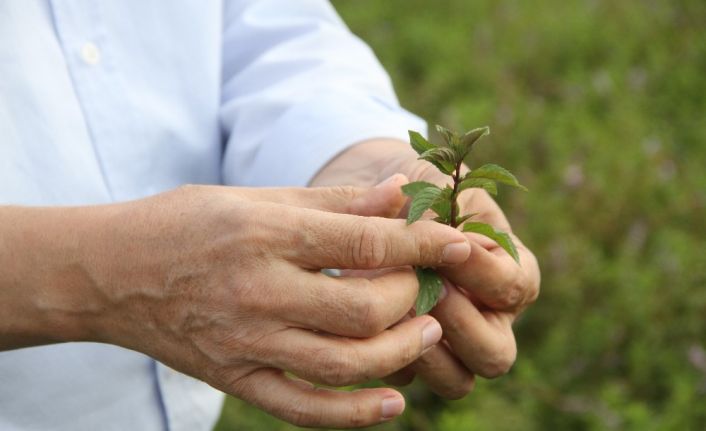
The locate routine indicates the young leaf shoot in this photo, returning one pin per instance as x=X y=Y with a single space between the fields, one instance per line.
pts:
x=449 y=159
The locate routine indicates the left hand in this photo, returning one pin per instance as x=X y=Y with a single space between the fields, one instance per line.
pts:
x=484 y=295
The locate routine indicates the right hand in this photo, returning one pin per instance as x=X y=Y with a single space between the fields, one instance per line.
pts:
x=224 y=284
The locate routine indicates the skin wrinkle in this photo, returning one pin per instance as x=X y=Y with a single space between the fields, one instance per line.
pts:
x=250 y=344
x=211 y=353
x=257 y=345
x=301 y=414
x=349 y=197
x=358 y=309
x=335 y=303
x=267 y=235
x=307 y=237
x=195 y=320
x=367 y=245
x=237 y=382
x=342 y=370
x=192 y=277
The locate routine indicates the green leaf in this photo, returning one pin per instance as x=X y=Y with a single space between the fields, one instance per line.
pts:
x=496 y=173
x=430 y=287
x=502 y=238
x=411 y=189
x=472 y=137
x=418 y=142
x=444 y=166
x=450 y=137
x=481 y=183
x=461 y=219
x=441 y=154
x=421 y=202
x=443 y=158
x=442 y=205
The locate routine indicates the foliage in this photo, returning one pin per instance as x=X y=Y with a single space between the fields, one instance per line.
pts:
x=599 y=107
x=449 y=158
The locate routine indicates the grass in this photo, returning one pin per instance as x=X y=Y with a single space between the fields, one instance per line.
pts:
x=599 y=107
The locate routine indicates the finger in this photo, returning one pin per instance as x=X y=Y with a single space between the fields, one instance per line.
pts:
x=349 y=306
x=479 y=202
x=493 y=277
x=339 y=361
x=383 y=200
x=443 y=373
x=325 y=240
x=499 y=286
x=402 y=377
x=302 y=404
x=483 y=341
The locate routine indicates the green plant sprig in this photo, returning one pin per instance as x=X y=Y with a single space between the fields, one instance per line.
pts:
x=449 y=158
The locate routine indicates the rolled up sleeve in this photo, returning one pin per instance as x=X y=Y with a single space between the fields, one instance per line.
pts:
x=298 y=88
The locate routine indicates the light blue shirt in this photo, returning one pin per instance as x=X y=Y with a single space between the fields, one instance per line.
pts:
x=104 y=101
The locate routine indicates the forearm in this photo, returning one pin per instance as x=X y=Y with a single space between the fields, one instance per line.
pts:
x=44 y=295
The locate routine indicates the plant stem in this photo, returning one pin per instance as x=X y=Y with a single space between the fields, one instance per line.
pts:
x=454 y=195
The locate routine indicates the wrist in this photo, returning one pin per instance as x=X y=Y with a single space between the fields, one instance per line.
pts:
x=45 y=282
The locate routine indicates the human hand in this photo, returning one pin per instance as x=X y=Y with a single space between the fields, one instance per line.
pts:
x=224 y=284
x=485 y=294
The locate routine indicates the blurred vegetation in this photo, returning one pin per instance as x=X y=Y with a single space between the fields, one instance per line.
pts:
x=600 y=108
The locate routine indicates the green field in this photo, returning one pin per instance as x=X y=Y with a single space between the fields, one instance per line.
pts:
x=600 y=108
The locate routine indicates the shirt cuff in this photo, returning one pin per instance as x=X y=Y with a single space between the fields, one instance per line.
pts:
x=312 y=133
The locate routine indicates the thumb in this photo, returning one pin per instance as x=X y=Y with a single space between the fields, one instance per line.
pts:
x=383 y=200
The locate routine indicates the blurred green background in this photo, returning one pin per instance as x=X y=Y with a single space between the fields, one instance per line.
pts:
x=600 y=108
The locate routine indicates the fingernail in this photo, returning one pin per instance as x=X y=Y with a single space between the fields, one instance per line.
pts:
x=444 y=290
x=431 y=334
x=456 y=252
x=388 y=180
x=392 y=406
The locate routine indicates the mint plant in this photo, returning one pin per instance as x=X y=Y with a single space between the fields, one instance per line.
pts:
x=449 y=159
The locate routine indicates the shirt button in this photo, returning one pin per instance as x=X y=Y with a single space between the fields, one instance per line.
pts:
x=90 y=53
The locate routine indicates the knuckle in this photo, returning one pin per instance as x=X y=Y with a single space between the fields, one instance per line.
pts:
x=224 y=378
x=343 y=194
x=457 y=323
x=426 y=248
x=365 y=313
x=368 y=247
x=299 y=413
x=513 y=293
x=356 y=418
x=339 y=368
x=409 y=352
x=499 y=362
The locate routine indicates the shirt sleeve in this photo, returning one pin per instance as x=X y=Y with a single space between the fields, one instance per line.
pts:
x=298 y=88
